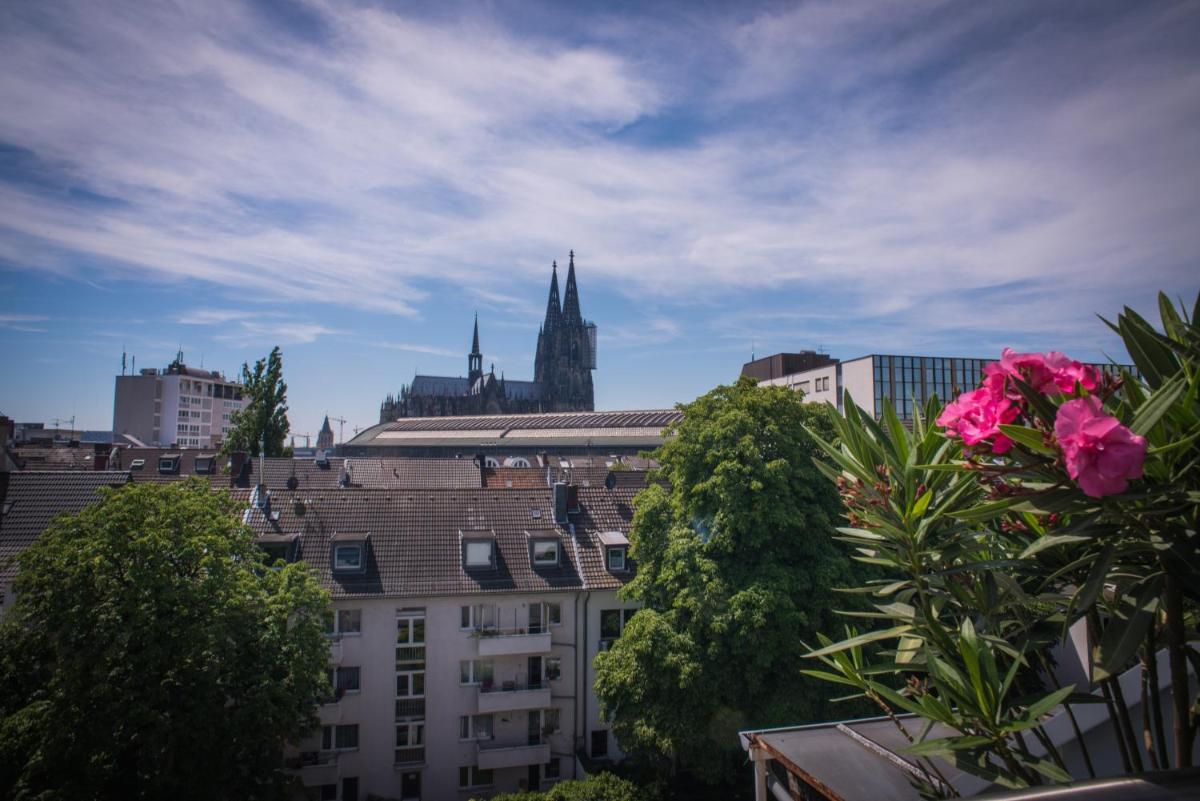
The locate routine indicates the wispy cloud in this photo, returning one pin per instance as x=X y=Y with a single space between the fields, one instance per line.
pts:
x=428 y=350
x=20 y=322
x=899 y=161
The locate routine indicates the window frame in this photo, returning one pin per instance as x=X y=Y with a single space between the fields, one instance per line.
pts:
x=468 y=777
x=539 y=562
x=609 y=550
x=469 y=732
x=356 y=547
x=468 y=545
x=476 y=675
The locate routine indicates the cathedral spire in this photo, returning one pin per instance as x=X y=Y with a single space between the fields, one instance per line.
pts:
x=553 y=306
x=571 y=313
x=475 y=357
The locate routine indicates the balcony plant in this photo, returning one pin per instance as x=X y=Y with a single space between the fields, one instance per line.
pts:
x=1053 y=494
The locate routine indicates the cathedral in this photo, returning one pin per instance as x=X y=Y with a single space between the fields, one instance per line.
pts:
x=562 y=372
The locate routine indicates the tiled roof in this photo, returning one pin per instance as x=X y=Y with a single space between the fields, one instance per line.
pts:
x=415 y=538
x=33 y=499
x=655 y=418
x=39 y=458
x=439 y=385
x=515 y=477
x=412 y=473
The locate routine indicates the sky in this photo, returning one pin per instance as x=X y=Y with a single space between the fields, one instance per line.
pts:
x=353 y=181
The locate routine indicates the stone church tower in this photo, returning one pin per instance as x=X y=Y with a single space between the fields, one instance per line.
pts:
x=566 y=351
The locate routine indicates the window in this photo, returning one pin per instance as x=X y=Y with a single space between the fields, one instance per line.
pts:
x=551 y=769
x=475 y=727
x=616 y=558
x=599 y=744
x=410 y=684
x=471 y=776
x=480 y=616
x=545 y=553
x=475 y=671
x=479 y=554
x=344 y=680
x=553 y=668
x=347 y=557
x=550 y=721
x=554 y=614
x=339 y=738
x=204 y=465
x=410 y=741
x=350 y=788
x=349 y=621
x=410 y=628
x=137 y=464
x=612 y=623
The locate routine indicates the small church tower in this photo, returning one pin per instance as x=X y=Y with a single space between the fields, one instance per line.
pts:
x=475 y=357
x=325 y=436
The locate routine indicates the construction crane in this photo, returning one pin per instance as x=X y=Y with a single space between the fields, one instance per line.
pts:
x=341 y=421
x=306 y=439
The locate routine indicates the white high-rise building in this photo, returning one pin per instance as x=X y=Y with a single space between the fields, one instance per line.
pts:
x=178 y=406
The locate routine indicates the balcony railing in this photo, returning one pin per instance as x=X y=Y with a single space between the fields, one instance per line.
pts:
x=410 y=756
x=508 y=642
x=508 y=754
x=511 y=696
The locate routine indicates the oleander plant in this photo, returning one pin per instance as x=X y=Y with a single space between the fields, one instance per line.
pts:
x=1051 y=498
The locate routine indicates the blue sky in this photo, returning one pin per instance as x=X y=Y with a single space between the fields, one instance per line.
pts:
x=352 y=181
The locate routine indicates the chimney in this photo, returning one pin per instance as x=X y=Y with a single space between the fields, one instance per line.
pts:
x=560 y=501
x=240 y=467
x=480 y=461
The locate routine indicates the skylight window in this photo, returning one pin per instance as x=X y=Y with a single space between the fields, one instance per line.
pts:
x=479 y=553
x=545 y=553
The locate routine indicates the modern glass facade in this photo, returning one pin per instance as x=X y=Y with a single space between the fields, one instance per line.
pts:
x=911 y=380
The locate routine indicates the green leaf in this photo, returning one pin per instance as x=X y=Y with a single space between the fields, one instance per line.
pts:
x=1052 y=541
x=1158 y=404
x=1126 y=631
x=946 y=745
x=862 y=639
x=1029 y=438
x=824 y=675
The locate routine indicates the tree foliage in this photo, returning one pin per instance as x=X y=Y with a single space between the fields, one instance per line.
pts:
x=265 y=417
x=603 y=786
x=735 y=569
x=152 y=654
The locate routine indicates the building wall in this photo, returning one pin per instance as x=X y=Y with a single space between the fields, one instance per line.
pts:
x=134 y=408
x=857 y=377
x=446 y=699
x=595 y=604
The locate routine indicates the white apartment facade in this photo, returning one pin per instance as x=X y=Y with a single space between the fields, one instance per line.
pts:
x=465 y=627
x=179 y=406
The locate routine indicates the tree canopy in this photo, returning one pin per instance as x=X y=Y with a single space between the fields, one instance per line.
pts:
x=151 y=653
x=736 y=569
x=603 y=786
x=265 y=417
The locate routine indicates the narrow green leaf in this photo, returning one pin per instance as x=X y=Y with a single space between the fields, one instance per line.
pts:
x=862 y=639
x=1029 y=438
x=1161 y=401
x=1126 y=631
x=946 y=745
x=1052 y=541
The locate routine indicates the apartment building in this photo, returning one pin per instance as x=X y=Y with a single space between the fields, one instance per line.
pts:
x=465 y=625
x=906 y=381
x=178 y=406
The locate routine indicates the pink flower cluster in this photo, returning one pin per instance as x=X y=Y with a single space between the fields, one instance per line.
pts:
x=1100 y=454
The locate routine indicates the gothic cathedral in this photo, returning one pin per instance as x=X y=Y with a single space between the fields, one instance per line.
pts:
x=562 y=372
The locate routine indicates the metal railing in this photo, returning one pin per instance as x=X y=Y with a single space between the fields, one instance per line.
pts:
x=512 y=686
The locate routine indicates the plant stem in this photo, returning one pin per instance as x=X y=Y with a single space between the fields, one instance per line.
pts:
x=1147 y=734
x=1156 y=697
x=1135 y=752
x=1087 y=757
x=1176 y=642
x=1112 y=716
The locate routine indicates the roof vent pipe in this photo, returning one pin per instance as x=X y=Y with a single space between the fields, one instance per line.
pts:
x=560 y=502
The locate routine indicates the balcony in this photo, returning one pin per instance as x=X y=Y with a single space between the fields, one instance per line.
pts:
x=510 y=697
x=512 y=642
x=316 y=768
x=492 y=755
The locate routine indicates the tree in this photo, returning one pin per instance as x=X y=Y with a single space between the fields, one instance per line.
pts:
x=603 y=786
x=151 y=653
x=736 y=568
x=265 y=418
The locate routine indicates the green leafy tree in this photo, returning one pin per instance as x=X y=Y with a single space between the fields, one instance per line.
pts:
x=603 y=786
x=151 y=653
x=736 y=568
x=264 y=420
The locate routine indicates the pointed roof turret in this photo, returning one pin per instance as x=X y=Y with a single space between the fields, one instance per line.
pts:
x=475 y=339
x=553 y=305
x=571 y=313
x=326 y=427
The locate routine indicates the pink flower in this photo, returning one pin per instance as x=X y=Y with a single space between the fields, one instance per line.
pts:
x=976 y=417
x=1049 y=373
x=1101 y=454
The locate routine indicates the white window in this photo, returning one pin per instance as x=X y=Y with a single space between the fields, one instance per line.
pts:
x=410 y=684
x=550 y=721
x=342 y=622
x=475 y=671
x=475 y=727
x=616 y=558
x=553 y=668
x=471 y=776
x=339 y=738
x=410 y=741
x=545 y=552
x=347 y=557
x=554 y=614
x=480 y=616
x=479 y=553
x=410 y=629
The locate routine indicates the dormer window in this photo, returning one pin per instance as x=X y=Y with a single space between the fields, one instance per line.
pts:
x=349 y=552
x=168 y=465
x=137 y=464
x=616 y=558
x=204 y=465
x=615 y=545
x=479 y=553
x=545 y=553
